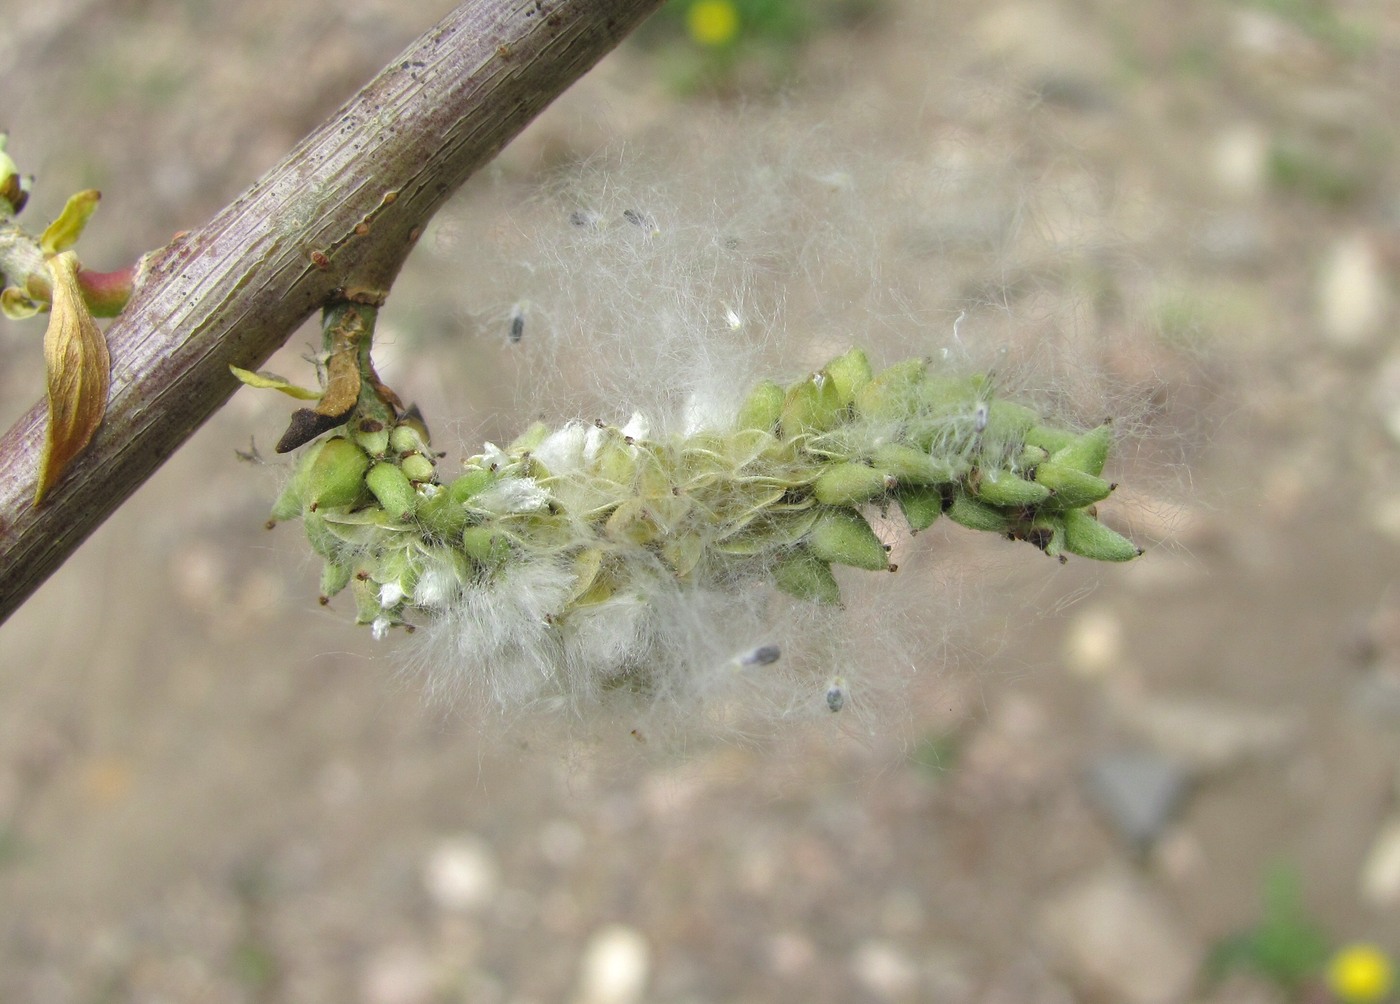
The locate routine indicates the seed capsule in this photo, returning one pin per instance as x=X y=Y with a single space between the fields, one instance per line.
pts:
x=485 y=545
x=392 y=488
x=1088 y=538
x=292 y=500
x=810 y=406
x=406 y=439
x=849 y=373
x=969 y=512
x=921 y=505
x=802 y=574
x=1073 y=488
x=851 y=484
x=891 y=393
x=1088 y=452
x=335 y=576
x=372 y=437
x=762 y=408
x=417 y=467
x=842 y=536
x=469 y=484
x=1048 y=438
x=337 y=475
x=1002 y=488
x=910 y=466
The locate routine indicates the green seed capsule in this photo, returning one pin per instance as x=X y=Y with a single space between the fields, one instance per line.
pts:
x=373 y=439
x=407 y=439
x=322 y=539
x=944 y=396
x=849 y=372
x=851 y=484
x=1047 y=532
x=292 y=501
x=1088 y=452
x=910 y=466
x=1048 y=438
x=891 y=394
x=1073 y=488
x=1005 y=431
x=1030 y=456
x=335 y=576
x=366 y=593
x=969 y=512
x=485 y=545
x=1002 y=488
x=440 y=516
x=844 y=537
x=921 y=505
x=417 y=467
x=469 y=484
x=1088 y=538
x=762 y=408
x=810 y=406
x=337 y=475
x=529 y=439
x=802 y=574
x=392 y=488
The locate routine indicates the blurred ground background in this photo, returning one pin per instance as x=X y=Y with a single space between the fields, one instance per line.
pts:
x=212 y=789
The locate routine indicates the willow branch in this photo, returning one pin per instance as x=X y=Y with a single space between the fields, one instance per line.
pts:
x=334 y=221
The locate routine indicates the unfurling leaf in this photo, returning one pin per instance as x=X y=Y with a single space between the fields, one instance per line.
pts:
x=63 y=233
x=271 y=381
x=78 y=371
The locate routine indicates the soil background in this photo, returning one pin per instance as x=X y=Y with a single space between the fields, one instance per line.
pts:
x=213 y=789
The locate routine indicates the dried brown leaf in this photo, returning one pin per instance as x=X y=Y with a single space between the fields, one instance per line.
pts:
x=78 y=369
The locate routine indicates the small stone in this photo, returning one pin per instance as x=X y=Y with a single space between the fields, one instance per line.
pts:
x=1093 y=644
x=399 y=975
x=1114 y=937
x=614 y=967
x=884 y=970
x=1380 y=874
x=461 y=874
x=1139 y=792
x=1241 y=160
x=1351 y=293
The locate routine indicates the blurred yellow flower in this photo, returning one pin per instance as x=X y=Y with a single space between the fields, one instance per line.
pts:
x=1360 y=974
x=712 y=22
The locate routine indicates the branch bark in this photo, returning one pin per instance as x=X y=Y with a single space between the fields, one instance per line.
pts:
x=335 y=220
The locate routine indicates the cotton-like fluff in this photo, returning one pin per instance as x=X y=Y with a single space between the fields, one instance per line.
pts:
x=709 y=523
